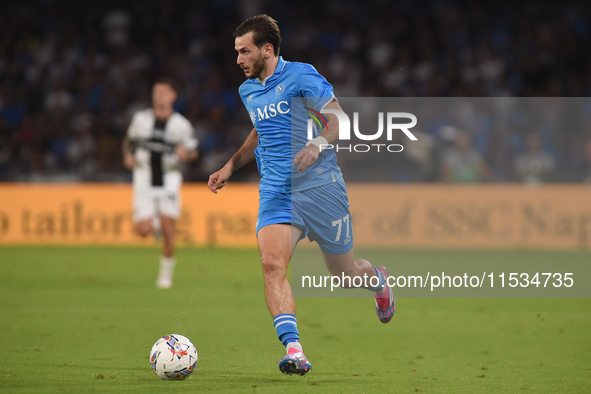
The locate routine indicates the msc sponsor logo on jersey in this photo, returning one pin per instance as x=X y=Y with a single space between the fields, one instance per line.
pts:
x=271 y=110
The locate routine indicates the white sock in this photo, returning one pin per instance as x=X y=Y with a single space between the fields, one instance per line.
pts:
x=297 y=345
x=167 y=266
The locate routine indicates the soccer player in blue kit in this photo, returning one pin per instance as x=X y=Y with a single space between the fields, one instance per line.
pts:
x=300 y=194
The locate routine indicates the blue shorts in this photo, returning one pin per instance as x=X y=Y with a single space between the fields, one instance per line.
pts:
x=322 y=213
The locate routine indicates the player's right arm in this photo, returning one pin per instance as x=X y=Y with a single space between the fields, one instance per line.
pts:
x=245 y=154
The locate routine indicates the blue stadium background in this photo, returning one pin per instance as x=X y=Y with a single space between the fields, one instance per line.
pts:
x=72 y=73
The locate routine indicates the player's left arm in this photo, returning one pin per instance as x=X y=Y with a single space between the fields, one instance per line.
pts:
x=186 y=155
x=129 y=144
x=187 y=150
x=309 y=155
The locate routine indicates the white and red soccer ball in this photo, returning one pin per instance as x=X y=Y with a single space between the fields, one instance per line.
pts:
x=173 y=357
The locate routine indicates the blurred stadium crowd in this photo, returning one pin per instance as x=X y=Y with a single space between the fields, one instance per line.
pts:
x=72 y=73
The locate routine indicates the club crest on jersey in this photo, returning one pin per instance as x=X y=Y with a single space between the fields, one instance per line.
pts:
x=280 y=88
x=249 y=99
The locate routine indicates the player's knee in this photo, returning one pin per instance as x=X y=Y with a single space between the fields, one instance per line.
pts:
x=273 y=264
x=143 y=230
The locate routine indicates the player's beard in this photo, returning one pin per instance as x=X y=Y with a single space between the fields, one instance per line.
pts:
x=258 y=67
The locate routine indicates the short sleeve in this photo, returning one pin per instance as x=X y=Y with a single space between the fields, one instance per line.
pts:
x=314 y=87
x=190 y=141
x=132 y=130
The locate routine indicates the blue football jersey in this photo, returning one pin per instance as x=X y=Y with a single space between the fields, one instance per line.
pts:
x=281 y=137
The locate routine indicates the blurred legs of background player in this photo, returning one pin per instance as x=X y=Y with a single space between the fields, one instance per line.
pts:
x=163 y=226
x=156 y=213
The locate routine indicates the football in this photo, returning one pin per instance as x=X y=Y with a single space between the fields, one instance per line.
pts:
x=173 y=357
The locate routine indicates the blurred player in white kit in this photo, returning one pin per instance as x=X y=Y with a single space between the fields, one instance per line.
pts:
x=158 y=139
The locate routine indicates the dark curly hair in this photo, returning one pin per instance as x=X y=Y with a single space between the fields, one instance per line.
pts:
x=265 y=31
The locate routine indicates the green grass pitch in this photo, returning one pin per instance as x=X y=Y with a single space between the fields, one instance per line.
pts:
x=83 y=319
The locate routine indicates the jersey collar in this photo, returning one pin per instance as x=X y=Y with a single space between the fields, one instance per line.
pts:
x=278 y=69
